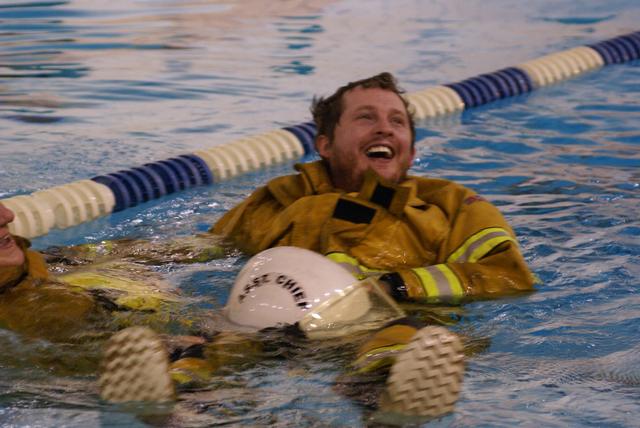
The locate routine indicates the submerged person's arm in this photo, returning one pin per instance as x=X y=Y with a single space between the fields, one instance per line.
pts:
x=188 y=249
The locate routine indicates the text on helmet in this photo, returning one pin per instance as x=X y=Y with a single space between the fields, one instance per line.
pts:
x=280 y=280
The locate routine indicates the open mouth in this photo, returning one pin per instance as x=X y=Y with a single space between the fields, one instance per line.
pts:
x=379 y=152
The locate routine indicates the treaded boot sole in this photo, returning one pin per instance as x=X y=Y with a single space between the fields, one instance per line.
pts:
x=135 y=368
x=426 y=378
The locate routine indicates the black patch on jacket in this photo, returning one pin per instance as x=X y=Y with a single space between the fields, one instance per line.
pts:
x=353 y=212
x=383 y=195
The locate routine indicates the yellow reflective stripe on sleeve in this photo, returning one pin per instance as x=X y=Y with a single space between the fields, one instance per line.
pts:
x=347 y=262
x=487 y=246
x=342 y=258
x=452 y=279
x=439 y=281
x=352 y=265
x=428 y=282
x=479 y=244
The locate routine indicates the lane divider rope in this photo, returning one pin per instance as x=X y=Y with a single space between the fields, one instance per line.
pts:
x=84 y=200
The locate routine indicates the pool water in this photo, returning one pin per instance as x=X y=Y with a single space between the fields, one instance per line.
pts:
x=88 y=87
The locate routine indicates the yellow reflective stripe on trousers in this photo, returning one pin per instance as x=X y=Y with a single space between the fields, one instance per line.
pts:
x=479 y=244
x=439 y=281
x=377 y=358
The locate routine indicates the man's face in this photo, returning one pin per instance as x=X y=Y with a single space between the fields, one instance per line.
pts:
x=10 y=253
x=372 y=132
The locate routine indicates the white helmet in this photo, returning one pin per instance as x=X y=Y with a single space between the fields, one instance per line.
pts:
x=288 y=285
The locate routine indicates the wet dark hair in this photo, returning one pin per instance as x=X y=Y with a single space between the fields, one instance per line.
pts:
x=327 y=111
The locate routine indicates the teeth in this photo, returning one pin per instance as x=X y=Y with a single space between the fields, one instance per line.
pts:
x=380 y=152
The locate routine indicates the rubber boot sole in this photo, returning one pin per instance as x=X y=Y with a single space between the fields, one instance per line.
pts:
x=135 y=368
x=426 y=378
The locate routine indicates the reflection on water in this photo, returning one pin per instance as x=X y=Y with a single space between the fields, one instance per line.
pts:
x=109 y=85
x=90 y=87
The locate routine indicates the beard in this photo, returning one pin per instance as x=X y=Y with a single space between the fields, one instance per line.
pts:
x=348 y=176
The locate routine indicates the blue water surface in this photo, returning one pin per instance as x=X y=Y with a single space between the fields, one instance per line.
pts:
x=90 y=87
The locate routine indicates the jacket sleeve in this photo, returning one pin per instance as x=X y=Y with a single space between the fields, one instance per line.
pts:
x=250 y=223
x=479 y=257
x=499 y=273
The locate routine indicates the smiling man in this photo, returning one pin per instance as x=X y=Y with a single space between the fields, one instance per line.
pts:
x=374 y=132
x=428 y=239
